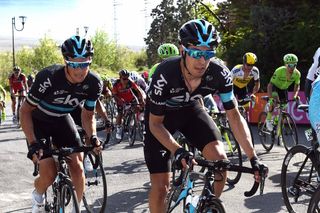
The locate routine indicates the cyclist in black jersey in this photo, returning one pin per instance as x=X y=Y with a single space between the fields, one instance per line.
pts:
x=57 y=91
x=173 y=104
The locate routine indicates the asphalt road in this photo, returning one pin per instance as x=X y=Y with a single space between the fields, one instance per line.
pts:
x=128 y=178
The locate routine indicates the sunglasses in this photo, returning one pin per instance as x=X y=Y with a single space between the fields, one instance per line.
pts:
x=197 y=54
x=292 y=65
x=76 y=65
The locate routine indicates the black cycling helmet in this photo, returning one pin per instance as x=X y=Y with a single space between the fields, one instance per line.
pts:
x=16 y=69
x=199 y=32
x=124 y=72
x=77 y=47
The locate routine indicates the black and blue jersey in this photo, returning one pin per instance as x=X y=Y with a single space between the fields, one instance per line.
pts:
x=168 y=91
x=55 y=96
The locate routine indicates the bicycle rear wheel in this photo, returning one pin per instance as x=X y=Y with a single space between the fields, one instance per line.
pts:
x=314 y=205
x=233 y=152
x=289 y=132
x=298 y=179
x=95 y=195
x=266 y=137
x=68 y=199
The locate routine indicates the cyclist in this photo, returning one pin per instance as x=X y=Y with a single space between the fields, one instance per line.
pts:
x=314 y=103
x=279 y=83
x=173 y=104
x=124 y=90
x=313 y=73
x=164 y=51
x=145 y=76
x=57 y=91
x=18 y=85
x=138 y=79
x=2 y=103
x=242 y=75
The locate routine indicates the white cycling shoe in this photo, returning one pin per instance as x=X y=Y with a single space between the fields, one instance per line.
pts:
x=36 y=206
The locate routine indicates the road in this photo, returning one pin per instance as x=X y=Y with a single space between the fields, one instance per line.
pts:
x=128 y=177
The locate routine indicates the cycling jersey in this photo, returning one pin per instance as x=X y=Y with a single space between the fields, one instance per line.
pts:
x=124 y=93
x=17 y=84
x=314 y=70
x=314 y=113
x=279 y=78
x=152 y=70
x=168 y=91
x=237 y=74
x=55 y=96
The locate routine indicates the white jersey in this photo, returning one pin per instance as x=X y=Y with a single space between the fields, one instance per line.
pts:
x=238 y=76
x=314 y=70
x=137 y=78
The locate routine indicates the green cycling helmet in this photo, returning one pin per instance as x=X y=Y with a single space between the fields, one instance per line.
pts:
x=290 y=59
x=167 y=50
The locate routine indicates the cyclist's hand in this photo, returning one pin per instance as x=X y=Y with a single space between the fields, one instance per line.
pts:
x=253 y=97
x=297 y=99
x=35 y=151
x=181 y=157
x=96 y=144
x=259 y=169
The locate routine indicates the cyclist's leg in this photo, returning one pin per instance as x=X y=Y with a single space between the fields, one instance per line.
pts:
x=13 y=104
x=314 y=112
x=157 y=158
x=66 y=135
x=203 y=133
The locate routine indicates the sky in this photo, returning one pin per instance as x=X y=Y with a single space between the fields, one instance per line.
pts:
x=59 y=19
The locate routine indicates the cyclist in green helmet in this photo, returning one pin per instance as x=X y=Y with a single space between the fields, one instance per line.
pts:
x=282 y=78
x=164 y=51
x=2 y=103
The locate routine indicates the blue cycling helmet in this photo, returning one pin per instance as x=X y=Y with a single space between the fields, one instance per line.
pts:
x=77 y=47
x=199 y=32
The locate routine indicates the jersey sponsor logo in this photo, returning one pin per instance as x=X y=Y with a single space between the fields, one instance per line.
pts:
x=59 y=92
x=227 y=77
x=157 y=103
x=44 y=86
x=176 y=90
x=186 y=98
x=159 y=85
x=85 y=87
x=209 y=77
x=67 y=101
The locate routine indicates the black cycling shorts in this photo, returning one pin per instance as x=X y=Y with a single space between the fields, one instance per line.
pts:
x=193 y=122
x=283 y=94
x=61 y=131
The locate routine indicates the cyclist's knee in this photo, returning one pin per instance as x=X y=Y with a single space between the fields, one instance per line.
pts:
x=214 y=151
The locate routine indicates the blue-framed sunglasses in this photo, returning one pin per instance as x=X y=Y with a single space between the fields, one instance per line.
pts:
x=76 y=65
x=197 y=54
x=292 y=65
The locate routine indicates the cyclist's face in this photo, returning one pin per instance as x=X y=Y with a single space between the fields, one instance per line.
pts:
x=78 y=68
x=124 y=79
x=16 y=73
x=291 y=67
x=196 y=67
x=247 y=67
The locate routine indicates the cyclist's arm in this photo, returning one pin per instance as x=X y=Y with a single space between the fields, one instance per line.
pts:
x=296 y=90
x=161 y=133
x=307 y=88
x=101 y=110
x=269 y=89
x=26 y=121
x=256 y=87
x=88 y=122
x=241 y=131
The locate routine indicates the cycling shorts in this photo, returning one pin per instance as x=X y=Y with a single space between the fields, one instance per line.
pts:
x=282 y=94
x=21 y=93
x=314 y=112
x=193 y=122
x=61 y=131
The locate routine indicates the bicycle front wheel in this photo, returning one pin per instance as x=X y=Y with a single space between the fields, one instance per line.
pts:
x=298 y=179
x=289 y=132
x=68 y=199
x=265 y=136
x=233 y=152
x=95 y=195
x=213 y=205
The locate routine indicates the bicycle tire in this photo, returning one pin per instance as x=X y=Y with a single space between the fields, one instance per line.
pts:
x=233 y=153
x=68 y=198
x=95 y=195
x=132 y=129
x=289 y=131
x=314 y=205
x=266 y=137
x=214 y=204
x=298 y=179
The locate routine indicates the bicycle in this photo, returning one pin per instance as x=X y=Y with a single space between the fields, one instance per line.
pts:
x=95 y=194
x=300 y=173
x=182 y=187
x=284 y=127
x=21 y=98
x=62 y=198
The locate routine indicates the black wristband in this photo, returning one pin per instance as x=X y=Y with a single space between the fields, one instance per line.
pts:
x=33 y=148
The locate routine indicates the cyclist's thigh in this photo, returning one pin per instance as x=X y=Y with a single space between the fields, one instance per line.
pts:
x=240 y=93
x=65 y=133
x=199 y=128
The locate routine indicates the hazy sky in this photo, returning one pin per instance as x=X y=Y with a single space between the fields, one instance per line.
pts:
x=60 y=18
